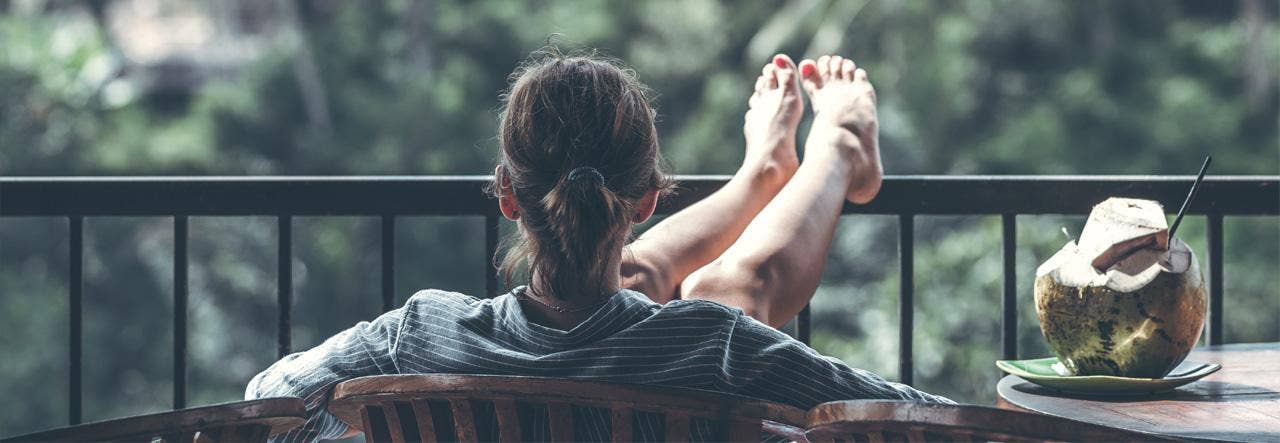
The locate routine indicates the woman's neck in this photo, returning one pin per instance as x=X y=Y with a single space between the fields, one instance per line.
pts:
x=564 y=311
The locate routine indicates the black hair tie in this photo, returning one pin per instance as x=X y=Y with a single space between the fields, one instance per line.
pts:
x=587 y=172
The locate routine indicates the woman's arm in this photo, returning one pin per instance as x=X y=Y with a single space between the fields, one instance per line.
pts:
x=365 y=349
x=657 y=262
x=762 y=362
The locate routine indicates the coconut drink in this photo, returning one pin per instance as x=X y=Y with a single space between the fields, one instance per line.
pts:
x=1126 y=299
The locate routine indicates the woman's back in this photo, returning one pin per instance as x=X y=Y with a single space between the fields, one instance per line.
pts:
x=629 y=339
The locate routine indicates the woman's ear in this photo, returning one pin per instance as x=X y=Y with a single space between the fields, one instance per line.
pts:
x=647 y=205
x=506 y=198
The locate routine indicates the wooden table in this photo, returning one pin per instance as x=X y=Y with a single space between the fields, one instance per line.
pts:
x=1240 y=402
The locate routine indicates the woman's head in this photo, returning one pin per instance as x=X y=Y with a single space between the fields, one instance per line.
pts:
x=579 y=166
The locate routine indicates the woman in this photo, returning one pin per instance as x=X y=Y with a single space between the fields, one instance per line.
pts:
x=692 y=303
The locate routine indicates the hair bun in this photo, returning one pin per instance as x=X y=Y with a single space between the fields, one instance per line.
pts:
x=586 y=172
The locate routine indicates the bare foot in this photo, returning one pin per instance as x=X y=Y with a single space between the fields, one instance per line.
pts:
x=844 y=106
x=770 y=124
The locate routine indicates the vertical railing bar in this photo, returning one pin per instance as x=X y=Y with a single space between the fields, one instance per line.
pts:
x=490 y=253
x=906 y=294
x=76 y=285
x=284 y=285
x=388 y=262
x=804 y=325
x=180 y=295
x=1009 y=324
x=1215 y=279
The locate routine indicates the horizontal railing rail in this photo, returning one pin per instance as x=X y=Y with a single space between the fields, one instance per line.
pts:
x=388 y=197
x=423 y=195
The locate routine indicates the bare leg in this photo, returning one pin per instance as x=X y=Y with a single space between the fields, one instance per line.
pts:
x=831 y=82
x=659 y=260
x=773 y=269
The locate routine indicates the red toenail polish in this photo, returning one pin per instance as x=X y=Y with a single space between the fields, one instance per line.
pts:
x=806 y=70
x=780 y=62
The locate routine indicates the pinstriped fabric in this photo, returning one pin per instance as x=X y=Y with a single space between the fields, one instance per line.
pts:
x=630 y=339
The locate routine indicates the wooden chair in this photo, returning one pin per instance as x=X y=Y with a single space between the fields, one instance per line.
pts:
x=465 y=408
x=885 y=421
x=243 y=421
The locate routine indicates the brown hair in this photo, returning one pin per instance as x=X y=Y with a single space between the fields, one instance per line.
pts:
x=563 y=117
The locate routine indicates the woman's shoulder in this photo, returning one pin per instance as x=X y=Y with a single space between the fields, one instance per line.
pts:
x=742 y=323
x=700 y=308
x=438 y=299
x=444 y=312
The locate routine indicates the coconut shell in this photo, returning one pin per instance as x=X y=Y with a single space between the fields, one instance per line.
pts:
x=1140 y=318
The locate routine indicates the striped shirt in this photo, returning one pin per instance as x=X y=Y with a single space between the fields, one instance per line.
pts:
x=629 y=339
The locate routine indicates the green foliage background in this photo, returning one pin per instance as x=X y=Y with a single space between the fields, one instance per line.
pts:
x=409 y=87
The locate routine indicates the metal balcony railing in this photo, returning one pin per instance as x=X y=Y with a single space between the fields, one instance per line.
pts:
x=388 y=197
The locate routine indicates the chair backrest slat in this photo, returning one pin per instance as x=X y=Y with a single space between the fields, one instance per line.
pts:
x=266 y=417
x=368 y=423
x=880 y=420
x=426 y=425
x=509 y=423
x=464 y=421
x=515 y=400
x=623 y=429
x=677 y=427
x=560 y=420
x=394 y=431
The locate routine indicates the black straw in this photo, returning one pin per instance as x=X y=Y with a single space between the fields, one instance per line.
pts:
x=1190 y=195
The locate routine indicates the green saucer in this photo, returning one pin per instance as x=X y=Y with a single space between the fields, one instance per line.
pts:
x=1050 y=373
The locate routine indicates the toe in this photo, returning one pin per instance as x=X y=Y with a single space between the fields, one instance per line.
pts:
x=787 y=81
x=834 y=69
x=771 y=76
x=755 y=94
x=846 y=69
x=809 y=76
x=824 y=67
x=783 y=62
x=786 y=72
x=809 y=70
x=860 y=75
